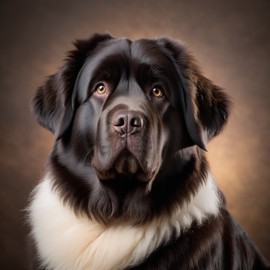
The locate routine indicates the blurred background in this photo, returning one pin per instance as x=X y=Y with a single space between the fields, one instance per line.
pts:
x=230 y=40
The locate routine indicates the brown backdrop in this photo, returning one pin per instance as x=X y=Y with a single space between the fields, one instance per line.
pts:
x=231 y=40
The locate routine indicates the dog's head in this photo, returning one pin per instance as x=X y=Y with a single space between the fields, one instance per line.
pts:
x=122 y=109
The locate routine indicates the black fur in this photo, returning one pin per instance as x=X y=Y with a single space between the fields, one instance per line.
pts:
x=112 y=148
x=219 y=244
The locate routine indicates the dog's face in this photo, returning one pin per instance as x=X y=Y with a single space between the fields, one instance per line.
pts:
x=126 y=116
x=126 y=113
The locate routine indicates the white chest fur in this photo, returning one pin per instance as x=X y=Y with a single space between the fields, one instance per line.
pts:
x=66 y=241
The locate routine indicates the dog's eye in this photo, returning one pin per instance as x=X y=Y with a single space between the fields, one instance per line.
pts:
x=157 y=92
x=101 y=89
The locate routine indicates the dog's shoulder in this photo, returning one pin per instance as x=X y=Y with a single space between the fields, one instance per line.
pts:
x=218 y=244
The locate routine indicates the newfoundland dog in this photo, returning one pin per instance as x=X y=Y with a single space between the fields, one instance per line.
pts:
x=127 y=184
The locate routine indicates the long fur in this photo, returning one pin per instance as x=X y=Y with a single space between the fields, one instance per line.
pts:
x=127 y=184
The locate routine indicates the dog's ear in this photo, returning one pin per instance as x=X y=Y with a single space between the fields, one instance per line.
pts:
x=53 y=103
x=206 y=106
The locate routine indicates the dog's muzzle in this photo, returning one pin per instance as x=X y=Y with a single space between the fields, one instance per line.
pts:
x=127 y=142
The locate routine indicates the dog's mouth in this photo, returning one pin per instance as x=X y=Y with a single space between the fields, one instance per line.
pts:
x=125 y=165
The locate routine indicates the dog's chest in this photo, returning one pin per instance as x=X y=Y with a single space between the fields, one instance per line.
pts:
x=66 y=241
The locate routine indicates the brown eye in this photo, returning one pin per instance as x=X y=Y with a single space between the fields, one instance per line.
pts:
x=101 y=89
x=157 y=92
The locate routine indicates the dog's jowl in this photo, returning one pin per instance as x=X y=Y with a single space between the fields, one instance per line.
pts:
x=127 y=184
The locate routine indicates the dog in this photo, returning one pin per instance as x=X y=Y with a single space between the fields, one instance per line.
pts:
x=127 y=184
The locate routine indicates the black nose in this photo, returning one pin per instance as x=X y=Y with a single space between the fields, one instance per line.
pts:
x=127 y=122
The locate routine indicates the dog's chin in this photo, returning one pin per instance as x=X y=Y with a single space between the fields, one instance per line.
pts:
x=125 y=166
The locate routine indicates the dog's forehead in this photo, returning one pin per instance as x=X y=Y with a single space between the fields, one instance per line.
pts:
x=124 y=57
x=123 y=51
x=148 y=51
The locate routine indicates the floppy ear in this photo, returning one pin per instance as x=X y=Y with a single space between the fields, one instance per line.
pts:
x=53 y=104
x=206 y=106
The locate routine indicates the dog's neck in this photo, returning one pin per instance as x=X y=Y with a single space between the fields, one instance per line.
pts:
x=67 y=241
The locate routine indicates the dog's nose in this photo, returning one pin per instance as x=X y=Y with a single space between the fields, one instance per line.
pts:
x=127 y=123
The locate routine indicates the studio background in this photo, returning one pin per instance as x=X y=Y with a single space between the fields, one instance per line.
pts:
x=230 y=40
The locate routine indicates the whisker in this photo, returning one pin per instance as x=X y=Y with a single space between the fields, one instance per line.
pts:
x=87 y=154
